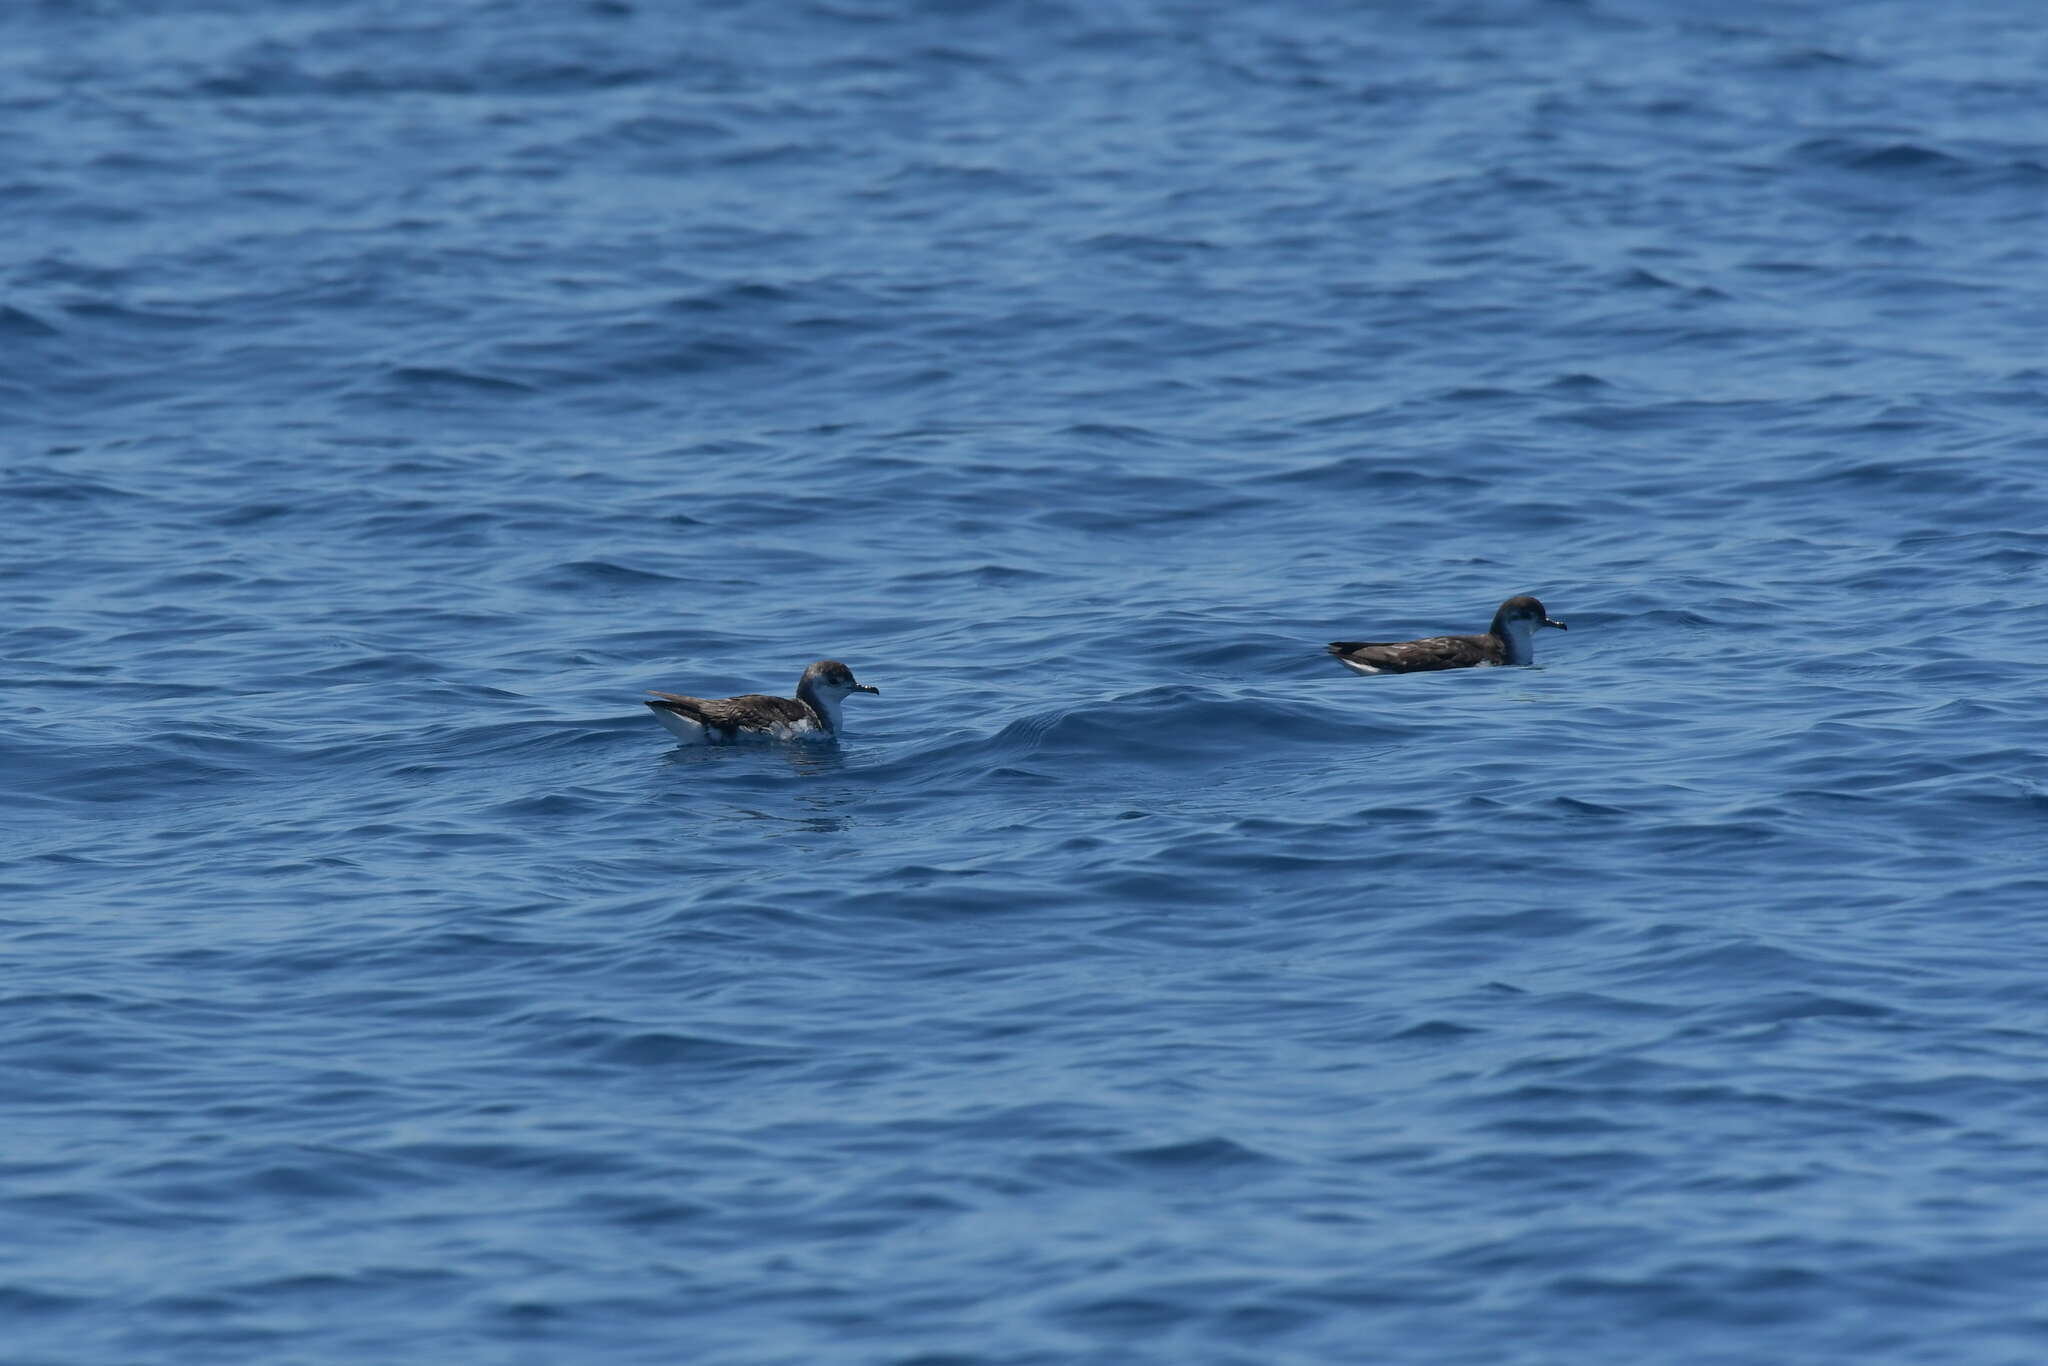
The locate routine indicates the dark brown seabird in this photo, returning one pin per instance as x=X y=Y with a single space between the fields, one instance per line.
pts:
x=813 y=714
x=1510 y=640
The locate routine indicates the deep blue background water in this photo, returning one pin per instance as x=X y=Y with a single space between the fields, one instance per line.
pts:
x=392 y=391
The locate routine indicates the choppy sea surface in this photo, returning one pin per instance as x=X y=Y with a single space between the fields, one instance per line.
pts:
x=390 y=393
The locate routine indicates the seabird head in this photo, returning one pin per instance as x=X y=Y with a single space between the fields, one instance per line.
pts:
x=1522 y=615
x=831 y=677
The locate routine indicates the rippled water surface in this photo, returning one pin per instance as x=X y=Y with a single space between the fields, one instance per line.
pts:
x=393 y=392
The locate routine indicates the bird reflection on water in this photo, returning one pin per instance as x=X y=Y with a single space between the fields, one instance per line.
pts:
x=813 y=809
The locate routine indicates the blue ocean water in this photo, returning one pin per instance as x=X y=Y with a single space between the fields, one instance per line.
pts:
x=392 y=392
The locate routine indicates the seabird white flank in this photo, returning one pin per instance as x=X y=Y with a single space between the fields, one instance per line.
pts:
x=813 y=714
x=1510 y=640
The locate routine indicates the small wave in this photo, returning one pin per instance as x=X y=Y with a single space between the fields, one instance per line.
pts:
x=431 y=377
x=20 y=325
x=138 y=319
x=662 y=1049
x=1115 y=432
x=581 y=574
x=1375 y=474
x=1202 y=1154
x=1858 y=154
x=1168 y=723
x=1147 y=247
x=51 y=485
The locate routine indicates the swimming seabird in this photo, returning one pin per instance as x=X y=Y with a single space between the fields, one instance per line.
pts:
x=813 y=714
x=1510 y=640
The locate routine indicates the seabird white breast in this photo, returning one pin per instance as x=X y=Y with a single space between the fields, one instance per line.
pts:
x=1510 y=640
x=813 y=714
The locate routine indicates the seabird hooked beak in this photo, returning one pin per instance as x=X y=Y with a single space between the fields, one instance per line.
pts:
x=1558 y=624
x=862 y=687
